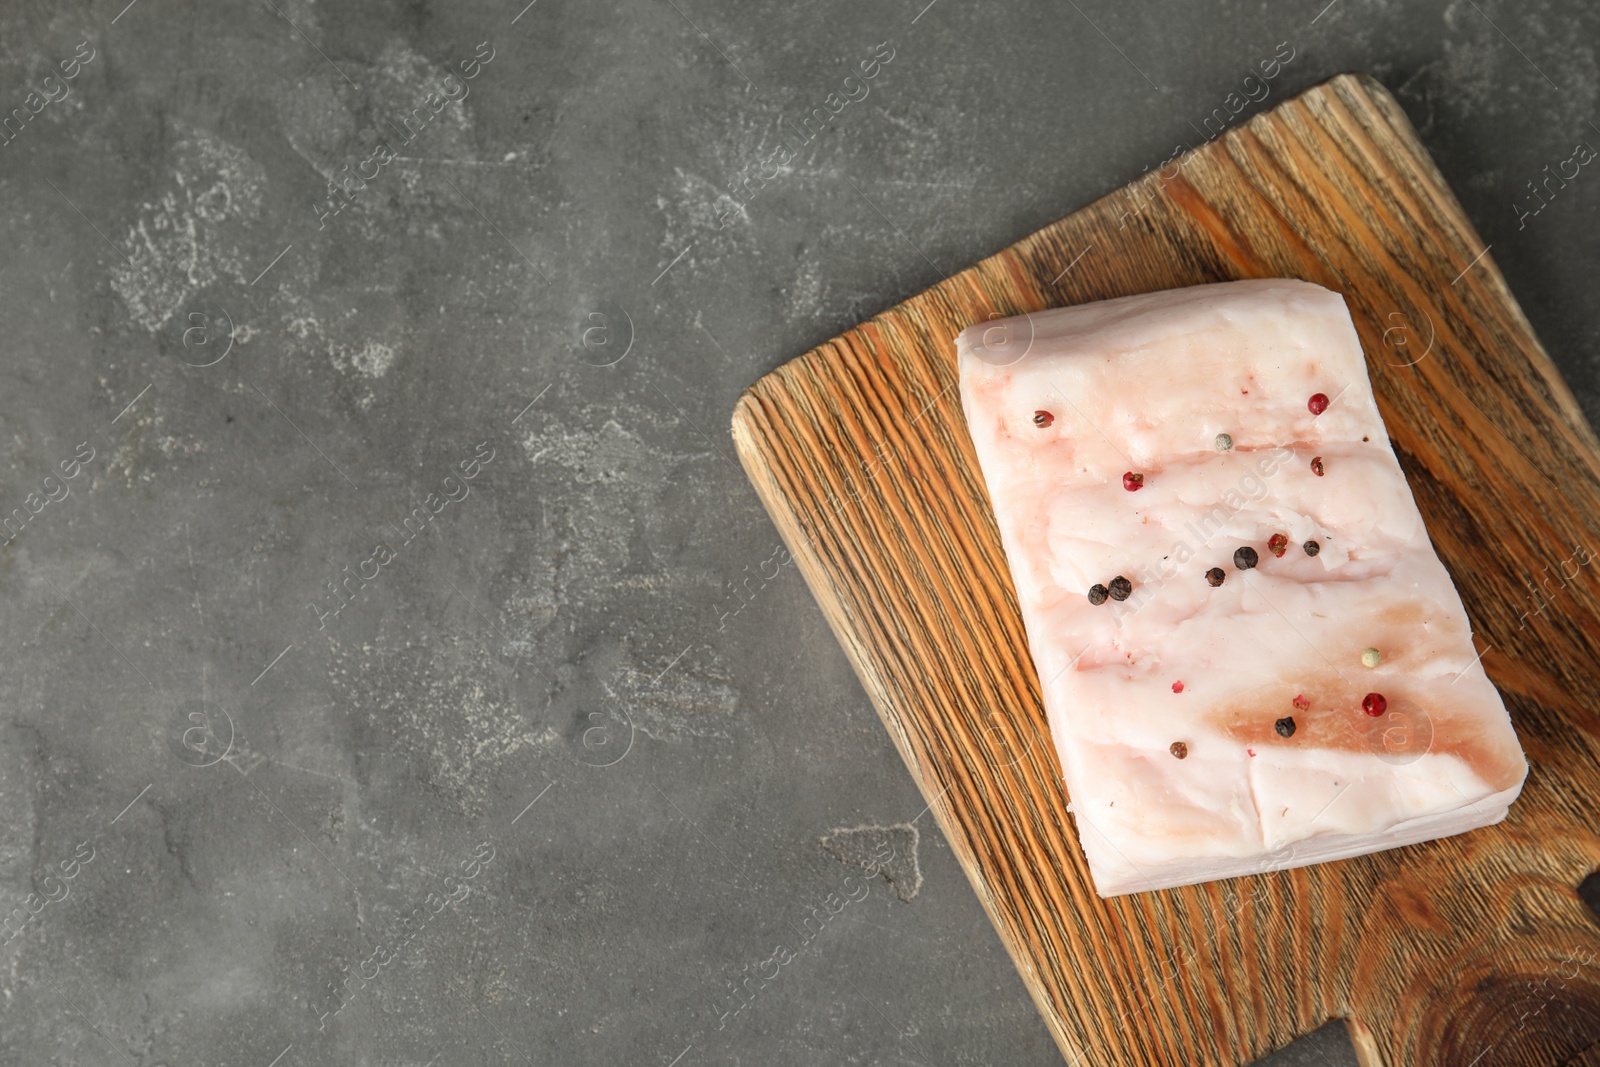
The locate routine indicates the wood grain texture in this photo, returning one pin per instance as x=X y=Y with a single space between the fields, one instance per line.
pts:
x=1475 y=950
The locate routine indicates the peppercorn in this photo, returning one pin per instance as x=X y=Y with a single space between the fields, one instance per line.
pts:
x=1179 y=749
x=1312 y=548
x=1216 y=576
x=1245 y=558
x=1301 y=703
x=1177 y=687
x=1371 y=657
x=1374 y=704
x=1132 y=482
x=1316 y=466
x=1098 y=594
x=1285 y=726
x=1224 y=443
x=1279 y=544
x=1121 y=589
x=1318 y=403
x=1042 y=419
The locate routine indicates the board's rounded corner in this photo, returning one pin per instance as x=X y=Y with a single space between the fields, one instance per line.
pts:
x=744 y=410
x=1359 y=78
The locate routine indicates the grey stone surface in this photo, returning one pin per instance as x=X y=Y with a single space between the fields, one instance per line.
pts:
x=556 y=777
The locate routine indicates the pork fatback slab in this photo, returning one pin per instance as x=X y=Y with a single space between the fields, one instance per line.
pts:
x=1131 y=448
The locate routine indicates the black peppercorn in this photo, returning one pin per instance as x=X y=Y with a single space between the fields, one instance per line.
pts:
x=1245 y=558
x=1312 y=548
x=1284 y=726
x=1121 y=589
x=1098 y=594
x=1216 y=576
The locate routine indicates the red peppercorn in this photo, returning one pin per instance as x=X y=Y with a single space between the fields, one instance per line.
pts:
x=1042 y=419
x=1177 y=687
x=1318 y=403
x=1132 y=482
x=1316 y=466
x=1279 y=544
x=1301 y=703
x=1374 y=704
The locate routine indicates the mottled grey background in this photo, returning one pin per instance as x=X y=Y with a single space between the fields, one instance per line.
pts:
x=564 y=636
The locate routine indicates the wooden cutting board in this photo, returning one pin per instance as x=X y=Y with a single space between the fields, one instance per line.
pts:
x=1468 y=952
